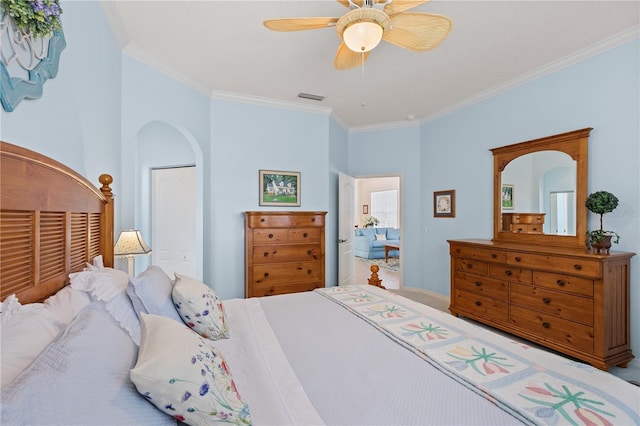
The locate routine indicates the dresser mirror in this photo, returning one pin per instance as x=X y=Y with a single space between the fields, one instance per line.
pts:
x=539 y=190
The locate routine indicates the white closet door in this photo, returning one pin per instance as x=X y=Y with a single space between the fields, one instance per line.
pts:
x=173 y=219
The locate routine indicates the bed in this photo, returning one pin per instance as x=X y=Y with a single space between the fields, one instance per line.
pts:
x=94 y=346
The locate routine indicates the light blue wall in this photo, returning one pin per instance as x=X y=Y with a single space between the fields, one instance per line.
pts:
x=396 y=152
x=77 y=119
x=602 y=92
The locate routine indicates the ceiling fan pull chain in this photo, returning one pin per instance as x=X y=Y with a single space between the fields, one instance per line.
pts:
x=362 y=57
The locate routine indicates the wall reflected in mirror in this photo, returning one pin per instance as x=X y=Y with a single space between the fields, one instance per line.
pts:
x=545 y=182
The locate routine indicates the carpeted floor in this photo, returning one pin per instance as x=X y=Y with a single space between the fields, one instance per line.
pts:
x=392 y=265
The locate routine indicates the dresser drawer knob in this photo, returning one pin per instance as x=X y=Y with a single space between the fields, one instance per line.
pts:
x=263 y=219
x=266 y=275
x=270 y=235
x=310 y=252
x=494 y=256
x=518 y=259
x=457 y=250
x=305 y=235
x=508 y=273
x=577 y=267
x=478 y=283
x=313 y=219
x=309 y=271
x=469 y=265
x=478 y=303
x=266 y=254
x=546 y=325
x=560 y=283
x=546 y=300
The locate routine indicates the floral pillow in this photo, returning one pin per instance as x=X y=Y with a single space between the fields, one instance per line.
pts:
x=183 y=376
x=199 y=308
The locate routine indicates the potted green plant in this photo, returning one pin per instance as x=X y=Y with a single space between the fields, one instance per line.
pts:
x=601 y=202
x=371 y=221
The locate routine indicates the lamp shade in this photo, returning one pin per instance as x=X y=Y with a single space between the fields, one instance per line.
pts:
x=130 y=243
x=363 y=28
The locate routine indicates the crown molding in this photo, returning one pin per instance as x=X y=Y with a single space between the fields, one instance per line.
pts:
x=115 y=22
x=269 y=102
x=572 y=59
x=384 y=126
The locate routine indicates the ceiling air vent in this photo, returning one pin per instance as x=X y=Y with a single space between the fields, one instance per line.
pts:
x=310 y=96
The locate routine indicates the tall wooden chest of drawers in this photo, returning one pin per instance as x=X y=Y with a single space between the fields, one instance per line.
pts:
x=569 y=300
x=284 y=252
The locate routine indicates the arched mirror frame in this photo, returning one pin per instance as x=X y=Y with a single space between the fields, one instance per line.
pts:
x=575 y=144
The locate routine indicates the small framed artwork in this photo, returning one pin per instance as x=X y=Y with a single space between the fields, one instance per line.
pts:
x=365 y=209
x=444 y=203
x=507 y=196
x=279 y=188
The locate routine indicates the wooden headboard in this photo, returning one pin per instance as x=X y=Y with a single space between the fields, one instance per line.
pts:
x=52 y=221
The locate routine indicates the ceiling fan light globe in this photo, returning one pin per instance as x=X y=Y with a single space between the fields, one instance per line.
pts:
x=362 y=36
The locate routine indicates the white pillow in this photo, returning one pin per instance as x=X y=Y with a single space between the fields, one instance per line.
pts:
x=199 y=308
x=381 y=237
x=9 y=305
x=66 y=303
x=150 y=292
x=30 y=329
x=108 y=286
x=183 y=376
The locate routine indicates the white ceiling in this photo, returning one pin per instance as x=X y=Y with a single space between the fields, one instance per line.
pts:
x=222 y=49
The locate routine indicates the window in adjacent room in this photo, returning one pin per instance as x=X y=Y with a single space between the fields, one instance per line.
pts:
x=384 y=206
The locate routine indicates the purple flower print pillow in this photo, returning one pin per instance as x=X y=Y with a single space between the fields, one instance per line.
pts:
x=199 y=308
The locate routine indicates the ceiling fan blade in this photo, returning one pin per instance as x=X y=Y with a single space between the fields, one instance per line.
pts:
x=346 y=3
x=417 y=31
x=298 y=24
x=347 y=58
x=397 y=6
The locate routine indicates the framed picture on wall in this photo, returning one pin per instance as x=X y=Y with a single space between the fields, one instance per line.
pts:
x=444 y=203
x=279 y=188
x=507 y=196
x=365 y=209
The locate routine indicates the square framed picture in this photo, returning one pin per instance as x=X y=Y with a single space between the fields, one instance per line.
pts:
x=444 y=203
x=507 y=196
x=279 y=188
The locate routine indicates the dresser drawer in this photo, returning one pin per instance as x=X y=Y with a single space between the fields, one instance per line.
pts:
x=286 y=253
x=563 y=282
x=482 y=285
x=302 y=235
x=563 y=305
x=534 y=219
x=268 y=221
x=552 y=328
x=526 y=228
x=261 y=290
x=307 y=220
x=267 y=235
x=569 y=265
x=284 y=273
x=510 y=273
x=478 y=253
x=470 y=265
x=485 y=307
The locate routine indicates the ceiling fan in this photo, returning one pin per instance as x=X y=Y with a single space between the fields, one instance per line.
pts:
x=369 y=21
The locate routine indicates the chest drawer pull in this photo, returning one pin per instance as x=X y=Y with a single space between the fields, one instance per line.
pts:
x=309 y=271
x=313 y=219
x=560 y=283
x=262 y=219
x=266 y=275
x=577 y=267
x=546 y=300
x=305 y=235
x=517 y=259
x=478 y=303
x=478 y=283
x=266 y=254
x=494 y=256
x=508 y=273
x=546 y=325
x=457 y=250
x=469 y=265
x=270 y=235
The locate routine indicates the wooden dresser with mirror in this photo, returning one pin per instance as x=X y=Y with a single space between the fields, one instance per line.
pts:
x=545 y=285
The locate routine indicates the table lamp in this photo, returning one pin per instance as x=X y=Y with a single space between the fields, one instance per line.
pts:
x=129 y=245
